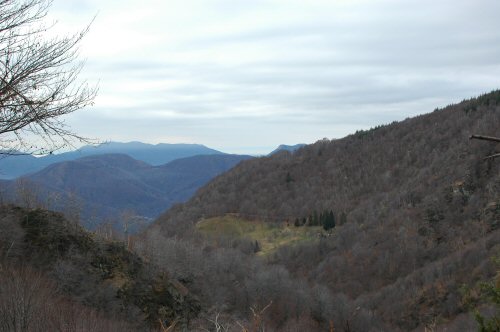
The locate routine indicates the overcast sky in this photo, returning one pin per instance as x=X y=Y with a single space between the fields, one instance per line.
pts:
x=244 y=76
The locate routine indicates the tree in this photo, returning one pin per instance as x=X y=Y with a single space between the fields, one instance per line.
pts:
x=28 y=193
x=38 y=80
x=72 y=207
x=329 y=222
x=131 y=223
x=489 y=291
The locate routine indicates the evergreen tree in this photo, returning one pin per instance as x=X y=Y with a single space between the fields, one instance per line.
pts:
x=329 y=221
x=322 y=218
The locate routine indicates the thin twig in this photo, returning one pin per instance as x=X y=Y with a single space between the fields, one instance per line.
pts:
x=485 y=138
x=492 y=156
x=8 y=250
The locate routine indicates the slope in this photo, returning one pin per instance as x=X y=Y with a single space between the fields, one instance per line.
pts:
x=108 y=185
x=15 y=166
x=418 y=209
x=155 y=155
x=284 y=147
x=99 y=282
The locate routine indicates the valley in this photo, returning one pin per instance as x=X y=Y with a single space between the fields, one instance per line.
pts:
x=249 y=166
x=106 y=186
x=390 y=229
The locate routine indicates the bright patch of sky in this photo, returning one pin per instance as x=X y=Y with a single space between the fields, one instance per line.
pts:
x=245 y=76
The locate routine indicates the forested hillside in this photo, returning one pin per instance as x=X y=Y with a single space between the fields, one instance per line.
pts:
x=392 y=229
x=104 y=187
x=401 y=164
x=417 y=210
x=55 y=276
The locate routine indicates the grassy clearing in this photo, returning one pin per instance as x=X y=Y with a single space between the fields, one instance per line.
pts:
x=270 y=236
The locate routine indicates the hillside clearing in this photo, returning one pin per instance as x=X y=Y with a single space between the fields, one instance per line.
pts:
x=270 y=236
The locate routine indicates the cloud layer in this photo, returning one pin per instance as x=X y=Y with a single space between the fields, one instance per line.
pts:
x=245 y=76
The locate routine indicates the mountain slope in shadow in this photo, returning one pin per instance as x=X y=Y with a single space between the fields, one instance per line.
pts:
x=159 y=154
x=110 y=184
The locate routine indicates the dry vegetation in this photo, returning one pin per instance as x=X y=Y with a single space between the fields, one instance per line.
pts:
x=421 y=211
x=50 y=266
x=265 y=237
x=417 y=222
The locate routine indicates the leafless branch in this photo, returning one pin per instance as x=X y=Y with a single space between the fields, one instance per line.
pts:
x=38 y=81
x=169 y=328
x=496 y=155
x=485 y=138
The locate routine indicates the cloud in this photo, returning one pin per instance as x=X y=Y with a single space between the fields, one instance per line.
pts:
x=293 y=71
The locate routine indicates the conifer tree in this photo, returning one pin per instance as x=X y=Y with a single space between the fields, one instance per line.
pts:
x=329 y=221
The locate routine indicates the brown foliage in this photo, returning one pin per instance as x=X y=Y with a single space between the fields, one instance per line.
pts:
x=421 y=211
x=30 y=302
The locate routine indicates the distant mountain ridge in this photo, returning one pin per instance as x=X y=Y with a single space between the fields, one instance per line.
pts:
x=155 y=155
x=289 y=148
x=109 y=184
x=15 y=166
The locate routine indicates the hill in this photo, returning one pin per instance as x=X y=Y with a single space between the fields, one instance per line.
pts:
x=108 y=185
x=55 y=276
x=14 y=166
x=416 y=205
x=159 y=154
x=155 y=155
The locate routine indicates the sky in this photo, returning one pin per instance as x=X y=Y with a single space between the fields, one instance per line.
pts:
x=243 y=76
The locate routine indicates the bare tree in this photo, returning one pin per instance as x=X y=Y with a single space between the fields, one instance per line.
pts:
x=29 y=301
x=127 y=220
x=38 y=80
x=73 y=205
x=28 y=193
x=487 y=138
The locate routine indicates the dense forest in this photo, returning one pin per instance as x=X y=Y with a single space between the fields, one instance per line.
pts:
x=402 y=234
x=99 y=189
x=418 y=219
x=396 y=228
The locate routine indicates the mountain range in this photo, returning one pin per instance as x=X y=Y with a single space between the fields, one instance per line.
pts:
x=412 y=242
x=19 y=165
x=289 y=148
x=107 y=185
